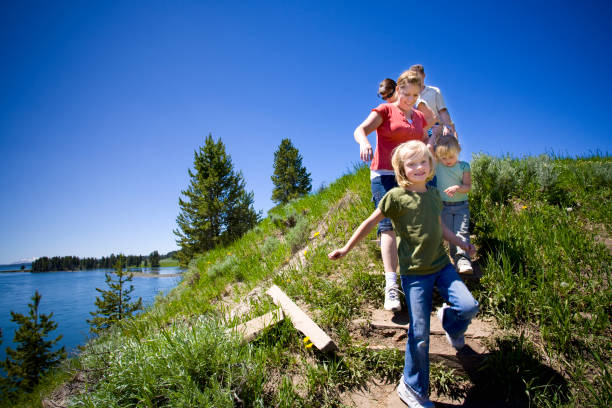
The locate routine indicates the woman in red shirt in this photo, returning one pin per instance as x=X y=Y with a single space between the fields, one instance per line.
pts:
x=395 y=123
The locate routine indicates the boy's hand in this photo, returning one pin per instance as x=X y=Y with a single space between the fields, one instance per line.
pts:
x=337 y=254
x=451 y=191
x=469 y=248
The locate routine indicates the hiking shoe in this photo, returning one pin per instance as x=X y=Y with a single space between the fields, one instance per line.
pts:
x=411 y=398
x=459 y=342
x=465 y=266
x=392 y=301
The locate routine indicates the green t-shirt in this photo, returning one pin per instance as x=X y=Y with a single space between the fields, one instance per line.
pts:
x=416 y=221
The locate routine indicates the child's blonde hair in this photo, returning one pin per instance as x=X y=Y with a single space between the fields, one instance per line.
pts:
x=447 y=145
x=413 y=149
x=409 y=78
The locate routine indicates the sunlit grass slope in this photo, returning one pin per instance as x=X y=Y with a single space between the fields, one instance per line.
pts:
x=538 y=223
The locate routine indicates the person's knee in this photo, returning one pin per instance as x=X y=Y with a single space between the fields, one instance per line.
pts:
x=469 y=309
x=420 y=332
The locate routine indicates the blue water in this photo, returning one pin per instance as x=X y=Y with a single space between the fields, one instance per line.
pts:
x=15 y=267
x=70 y=296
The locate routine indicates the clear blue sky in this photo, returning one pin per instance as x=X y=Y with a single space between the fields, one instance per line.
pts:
x=102 y=103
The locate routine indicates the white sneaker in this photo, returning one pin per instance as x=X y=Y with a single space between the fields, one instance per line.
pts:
x=410 y=398
x=392 y=301
x=465 y=266
x=457 y=343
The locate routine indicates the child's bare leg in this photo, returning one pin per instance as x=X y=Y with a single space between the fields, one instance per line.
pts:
x=388 y=250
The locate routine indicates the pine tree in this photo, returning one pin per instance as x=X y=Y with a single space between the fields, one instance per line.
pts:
x=290 y=178
x=154 y=257
x=33 y=356
x=215 y=209
x=115 y=303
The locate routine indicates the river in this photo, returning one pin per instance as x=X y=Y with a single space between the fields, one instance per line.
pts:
x=70 y=296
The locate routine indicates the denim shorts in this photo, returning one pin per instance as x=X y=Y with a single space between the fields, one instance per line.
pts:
x=380 y=186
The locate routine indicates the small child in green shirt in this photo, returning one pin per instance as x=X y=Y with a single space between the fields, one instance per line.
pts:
x=454 y=181
x=414 y=210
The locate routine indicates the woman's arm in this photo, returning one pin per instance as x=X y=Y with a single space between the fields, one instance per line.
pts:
x=455 y=240
x=372 y=122
x=361 y=231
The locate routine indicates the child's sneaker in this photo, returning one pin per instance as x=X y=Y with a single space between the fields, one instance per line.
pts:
x=465 y=266
x=457 y=343
x=392 y=301
x=410 y=398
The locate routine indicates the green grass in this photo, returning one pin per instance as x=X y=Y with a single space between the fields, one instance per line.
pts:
x=537 y=223
x=168 y=262
x=545 y=275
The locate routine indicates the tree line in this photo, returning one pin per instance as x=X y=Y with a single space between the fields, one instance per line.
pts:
x=216 y=208
x=74 y=263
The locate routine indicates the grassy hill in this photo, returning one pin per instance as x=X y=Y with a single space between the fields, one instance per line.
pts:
x=541 y=225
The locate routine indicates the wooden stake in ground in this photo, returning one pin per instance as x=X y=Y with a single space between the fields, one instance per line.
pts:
x=301 y=321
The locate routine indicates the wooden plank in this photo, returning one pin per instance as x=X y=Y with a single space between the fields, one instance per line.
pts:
x=301 y=321
x=251 y=329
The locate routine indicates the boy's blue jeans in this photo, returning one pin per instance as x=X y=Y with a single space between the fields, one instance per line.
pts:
x=456 y=217
x=419 y=290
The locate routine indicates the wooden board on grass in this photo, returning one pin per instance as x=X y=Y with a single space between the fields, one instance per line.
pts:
x=251 y=329
x=301 y=320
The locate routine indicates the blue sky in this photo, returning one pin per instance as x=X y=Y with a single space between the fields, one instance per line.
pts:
x=103 y=103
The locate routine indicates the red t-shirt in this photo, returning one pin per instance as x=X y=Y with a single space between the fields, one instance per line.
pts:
x=394 y=130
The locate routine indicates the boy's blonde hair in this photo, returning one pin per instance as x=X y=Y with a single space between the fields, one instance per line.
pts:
x=409 y=78
x=447 y=145
x=407 y=151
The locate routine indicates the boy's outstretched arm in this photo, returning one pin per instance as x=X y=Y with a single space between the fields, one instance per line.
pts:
x=361 y=231
x=455 y=240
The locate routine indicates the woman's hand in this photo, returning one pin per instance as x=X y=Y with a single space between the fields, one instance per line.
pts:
x=365 y=151
x=337 y=254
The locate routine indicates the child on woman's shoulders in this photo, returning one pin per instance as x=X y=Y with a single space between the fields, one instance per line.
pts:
x=454 y=181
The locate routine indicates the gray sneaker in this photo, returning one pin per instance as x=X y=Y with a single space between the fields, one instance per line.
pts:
x=411 y=398
x=465 y=266
x=392 y=301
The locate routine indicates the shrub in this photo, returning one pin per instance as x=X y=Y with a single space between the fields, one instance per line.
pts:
x=229 y=266
x=298 y=235
x=269 y=246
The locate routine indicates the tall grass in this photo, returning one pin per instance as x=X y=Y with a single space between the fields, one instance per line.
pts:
x=537 y=222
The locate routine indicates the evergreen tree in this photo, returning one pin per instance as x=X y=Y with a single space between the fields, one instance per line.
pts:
x=33 y=356
x=154 y=257
x=290 y=178
x=115 y=303
x=215 y=209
